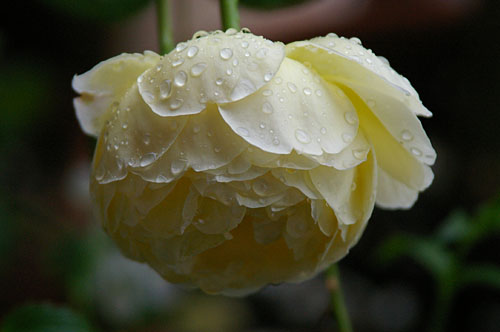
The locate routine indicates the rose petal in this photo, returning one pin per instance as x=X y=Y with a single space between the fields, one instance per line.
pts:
x=346 y=59
x=296 y=110
x=106 y=83
x=217 y=68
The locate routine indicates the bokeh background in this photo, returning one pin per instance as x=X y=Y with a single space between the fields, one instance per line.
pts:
x=435 y=266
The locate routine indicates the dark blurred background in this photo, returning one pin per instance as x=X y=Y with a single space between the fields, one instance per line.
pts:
x=436 y=264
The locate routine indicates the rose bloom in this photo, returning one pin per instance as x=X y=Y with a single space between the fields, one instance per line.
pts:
x=233 y=161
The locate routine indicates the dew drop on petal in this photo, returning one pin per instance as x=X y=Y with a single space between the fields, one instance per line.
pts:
x=292 y=87
x=176 y=103
x=180 y=78
x=165 y=89
x=347 y=137
x=307 y=91
x=147 y=159
x=177 y=166
x=219 y=81
x=244 y=44
x=302 y=136
x=235 y=62
x=353 y=186
x=406 y=135
x=181 y=47
x=229 y=71
x=262 y=125
x=243 y=131
x=268 y=77
x=276 y=141
x=267 y=92
x=261 y=53
x=192 y=51
x=323 y=130
x=177 y=62
x=351 y=118
x=267 y=108
x=416 y=152
x=198 y=69
x=226 y=53
x=356 y=40
x=358 y=154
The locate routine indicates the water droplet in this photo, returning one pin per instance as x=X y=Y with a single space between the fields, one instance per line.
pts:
x=331 y=44
x=358 y=154
x=371 y=103
x=406 y=135
x=217 y=149
x=292 y=87
x=332 y=35
x=302 y=136
x=307 y=91
x=281 y=99
x=146 y=139
x=165 y=89
x=353 y=186
x=278 y=80
x=161 y=179
x=229 y=71
x=347 y=137
x=243 y=131
x=192 y=51
x=267 y=108
x=242 y=89
x=147 y=159
x=267 y=92
x=177 y=166
x=276 y=141
x=180 y=78
x=219 y=81
x=261 y=53
x=196 y=129
x=244 y=44
x=368 y=60
x=306 y=114
x=235 y=62
x=416 y=152
x=231 y=31
x=177 y=62
x=262 y=125
x=323 y=130
x=226 y=53
x=319 y=93
x=181 y=47
x=351 y=118
x=125 y=125
x=247 y=54
x=159 y=67
x=176 y=103
x=198 y=69
x=268 y=77
x=383 y=59
x=140 y=79
x=356 y=40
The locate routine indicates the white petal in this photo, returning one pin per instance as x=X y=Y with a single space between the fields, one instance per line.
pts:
x=297 y=179
x=392 y=194
x=106 y=83
x=350 y=193
x=217 y=68
x=335 y=57
x=302 y=112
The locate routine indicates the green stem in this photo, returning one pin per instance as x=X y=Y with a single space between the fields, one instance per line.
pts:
x=337 y=299
x=442 y=305
x=229 y=14
x=165 y=32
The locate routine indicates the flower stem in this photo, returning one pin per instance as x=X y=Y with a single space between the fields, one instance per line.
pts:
x=229 y=14
x=337 y=299
x=165 y=32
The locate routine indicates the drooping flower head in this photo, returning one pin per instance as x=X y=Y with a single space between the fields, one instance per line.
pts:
x=233 y=161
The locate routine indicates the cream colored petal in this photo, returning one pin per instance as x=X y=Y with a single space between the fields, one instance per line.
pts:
x=214 y=217
x=335 y=57
x=398 y=119
x=297 y=179
x=350 y=157
x=133 y=137
x=392 y=194
x=391 y=155
x=350 y=193
x=106 y=83
x=206 y=142
x=324 y=216
x=218 y=68
x=298 y=111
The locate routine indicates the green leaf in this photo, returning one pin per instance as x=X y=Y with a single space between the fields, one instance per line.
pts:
x=44 y=318
x=429 y=254
x=100 y=10
x=484 y=274
x=454 y=228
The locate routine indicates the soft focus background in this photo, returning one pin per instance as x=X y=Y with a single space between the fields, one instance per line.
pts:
x=437 y=264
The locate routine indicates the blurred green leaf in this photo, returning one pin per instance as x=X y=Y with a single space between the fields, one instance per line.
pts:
x=454 y=228
x=44 y=318
x=430 y=255
x=270 y=4
x=100 y=10
x=484 y=274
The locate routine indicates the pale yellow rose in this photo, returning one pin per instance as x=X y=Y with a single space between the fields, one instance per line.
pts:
x=234 y=162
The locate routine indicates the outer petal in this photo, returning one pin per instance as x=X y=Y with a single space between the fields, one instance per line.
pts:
x=392 y=194
x=133 y=136
x=296 y=110
x=350 y=193
x=392 y=157
x=106 y=83
x=335 y=57
x=219 y=68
